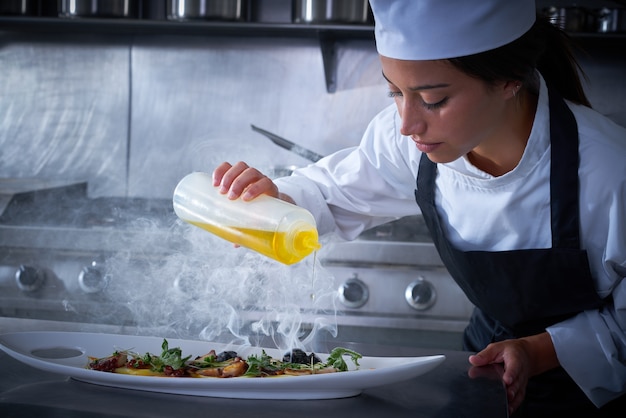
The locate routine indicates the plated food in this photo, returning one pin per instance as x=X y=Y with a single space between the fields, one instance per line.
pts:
x=172 y=363
x=69 y=354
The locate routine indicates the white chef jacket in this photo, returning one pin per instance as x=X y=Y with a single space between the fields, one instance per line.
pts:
x=364 y=186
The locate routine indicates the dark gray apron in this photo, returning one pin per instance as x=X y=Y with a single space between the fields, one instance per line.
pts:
x=521 y=292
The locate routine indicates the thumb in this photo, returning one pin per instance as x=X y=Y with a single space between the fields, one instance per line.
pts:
x=478 y=360
x=487 y=356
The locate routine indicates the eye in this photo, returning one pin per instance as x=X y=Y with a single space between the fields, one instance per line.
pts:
x=435 y=106
x=394 y=94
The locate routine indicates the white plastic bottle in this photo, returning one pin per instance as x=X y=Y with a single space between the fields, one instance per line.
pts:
x=270 y=226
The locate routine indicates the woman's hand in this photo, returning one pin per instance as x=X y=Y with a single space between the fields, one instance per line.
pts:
x=522 y=358
x=242 y=180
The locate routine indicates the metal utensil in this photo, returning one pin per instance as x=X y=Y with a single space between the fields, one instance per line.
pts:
x=330 y=11
x=288 y=145
x=98 y=8
x=19 y=7
x=610 y=20
x=229 y=10
x=571 y=19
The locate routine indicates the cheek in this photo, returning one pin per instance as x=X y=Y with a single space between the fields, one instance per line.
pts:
x=467 y=122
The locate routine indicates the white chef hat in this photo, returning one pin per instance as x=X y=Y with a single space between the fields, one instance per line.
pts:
x=440 y=29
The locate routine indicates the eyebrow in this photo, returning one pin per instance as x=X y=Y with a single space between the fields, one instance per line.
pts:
x=422 y=87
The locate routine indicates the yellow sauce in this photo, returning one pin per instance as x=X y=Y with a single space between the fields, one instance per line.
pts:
x=137 y=372
x=275 y=245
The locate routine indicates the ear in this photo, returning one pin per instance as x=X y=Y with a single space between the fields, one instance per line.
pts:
x=511 y=88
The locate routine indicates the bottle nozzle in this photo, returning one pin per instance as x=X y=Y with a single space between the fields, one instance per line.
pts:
x=306 y=241
x=309 y=242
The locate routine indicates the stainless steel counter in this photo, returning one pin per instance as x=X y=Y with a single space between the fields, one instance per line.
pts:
x=447 y=391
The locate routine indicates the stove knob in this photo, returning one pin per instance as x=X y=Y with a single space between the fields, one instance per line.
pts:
x=91 y=279
x=29 y=279
x=353 y=293
x=420 y=295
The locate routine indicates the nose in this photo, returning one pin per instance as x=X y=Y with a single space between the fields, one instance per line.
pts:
x=413 y=122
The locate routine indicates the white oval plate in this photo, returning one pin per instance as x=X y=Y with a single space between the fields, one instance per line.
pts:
x=67 y=353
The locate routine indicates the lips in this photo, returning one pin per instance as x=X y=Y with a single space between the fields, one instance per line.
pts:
x=427 y=147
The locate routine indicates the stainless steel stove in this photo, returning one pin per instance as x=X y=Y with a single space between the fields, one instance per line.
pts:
x=54 y=243
x=72 y=259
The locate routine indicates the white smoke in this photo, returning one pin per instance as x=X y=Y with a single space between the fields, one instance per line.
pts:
x=203 y=287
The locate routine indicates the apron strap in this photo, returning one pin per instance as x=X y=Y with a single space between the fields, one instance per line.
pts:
x=564 y=190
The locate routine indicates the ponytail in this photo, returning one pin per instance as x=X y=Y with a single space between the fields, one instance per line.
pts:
x=558 y=65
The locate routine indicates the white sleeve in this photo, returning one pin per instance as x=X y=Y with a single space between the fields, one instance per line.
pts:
x=591 y=346
x=358 y=188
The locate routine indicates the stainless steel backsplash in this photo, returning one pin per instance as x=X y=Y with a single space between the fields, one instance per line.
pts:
x=133 y=115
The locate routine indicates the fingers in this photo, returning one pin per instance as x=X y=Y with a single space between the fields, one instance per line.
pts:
x=511 y=372
x=264 y=185
x=225 y=174
x=515 y=396
x=512 y=357
x=219 y=172
x=241 y=180
x=493 y=353
x=478 y=360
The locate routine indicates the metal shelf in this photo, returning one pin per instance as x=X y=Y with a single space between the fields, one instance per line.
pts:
x=154 y=27
x=327 y=34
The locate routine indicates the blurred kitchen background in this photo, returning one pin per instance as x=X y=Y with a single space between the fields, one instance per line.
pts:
x=126 y=97
x=132 y=108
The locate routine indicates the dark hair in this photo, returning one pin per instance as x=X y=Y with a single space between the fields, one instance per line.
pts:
x=544 y=47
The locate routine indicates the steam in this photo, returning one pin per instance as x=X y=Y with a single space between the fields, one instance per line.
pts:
x=200 y=286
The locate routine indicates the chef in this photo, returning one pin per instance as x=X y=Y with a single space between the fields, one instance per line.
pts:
x=521 y=184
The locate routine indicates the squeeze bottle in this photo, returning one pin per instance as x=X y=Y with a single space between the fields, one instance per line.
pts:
x=270 y=226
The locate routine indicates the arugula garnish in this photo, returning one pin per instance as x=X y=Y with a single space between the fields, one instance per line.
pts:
x=265 y=365
x=262 y=365
x=169 y=357
x=335 y=359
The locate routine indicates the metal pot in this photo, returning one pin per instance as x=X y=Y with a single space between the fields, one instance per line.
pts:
x=18 y=7
x=331 y=11
x=206 y=9
x=570 y=19
x=98 y=8
x=611 y=20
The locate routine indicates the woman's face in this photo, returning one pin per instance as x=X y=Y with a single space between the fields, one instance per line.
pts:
x=445 y=112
